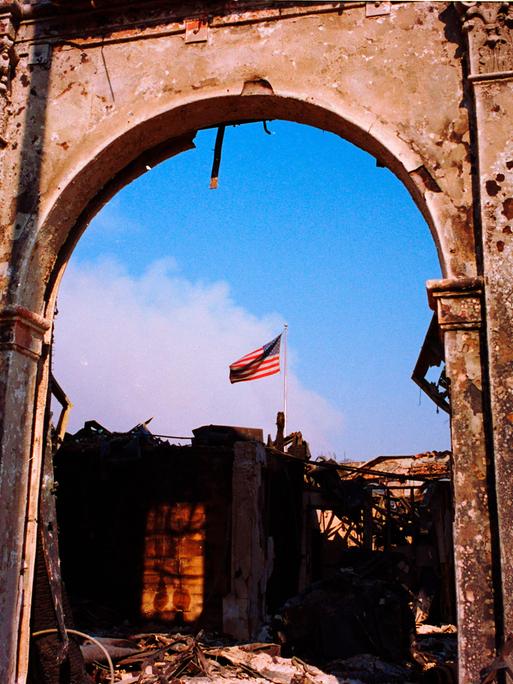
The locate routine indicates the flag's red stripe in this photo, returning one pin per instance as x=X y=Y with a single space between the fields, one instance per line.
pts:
x=247 y=358
x=253 y=368
x=260 y=360
x=255 y=352
x=243 y=362
x=263 y=373
x=240 y=364
x=254 y=363
x=255 y=376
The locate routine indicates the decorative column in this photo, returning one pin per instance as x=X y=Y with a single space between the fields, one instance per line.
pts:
x=458 y=304
x=9 y=16
x=489 y=30
x=22 y=374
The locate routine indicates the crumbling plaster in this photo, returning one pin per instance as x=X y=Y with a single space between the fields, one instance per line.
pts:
x=106 y=102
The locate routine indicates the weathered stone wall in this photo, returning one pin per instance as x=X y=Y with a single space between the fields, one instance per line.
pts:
x=489 y=29
x=99 y=98
x=89 y=96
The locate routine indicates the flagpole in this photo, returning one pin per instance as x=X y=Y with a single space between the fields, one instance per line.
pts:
x=285 y=331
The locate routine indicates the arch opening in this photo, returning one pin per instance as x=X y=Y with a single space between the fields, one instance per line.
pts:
x=90 y=179
x=366 y=232
x=159 y=593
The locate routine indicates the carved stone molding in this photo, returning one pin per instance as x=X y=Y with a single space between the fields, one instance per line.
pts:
x=23 y=331
x=489 y=28
x=457 y=302
x=7 y=64
x=6 y=53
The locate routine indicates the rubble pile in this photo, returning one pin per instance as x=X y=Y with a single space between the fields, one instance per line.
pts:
x=366 y=667
x=435 y=651
x=178 y=659
x=347 y=615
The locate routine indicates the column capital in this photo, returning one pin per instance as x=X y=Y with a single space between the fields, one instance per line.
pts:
x=488 y=26
x=9 y=19
x=23 y=331
x=457 y=302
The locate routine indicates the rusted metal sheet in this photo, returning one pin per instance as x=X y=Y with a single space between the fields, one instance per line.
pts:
x=432 y=356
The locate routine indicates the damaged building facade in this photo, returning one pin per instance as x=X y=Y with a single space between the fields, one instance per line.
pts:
x=222 y=532
x=177 y=548
x=253 y=541
x=93 y=92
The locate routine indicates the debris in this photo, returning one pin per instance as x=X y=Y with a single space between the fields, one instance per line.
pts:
x=348 y=615
x=347 y=555
x=503 y=663
x=369 y=668
x=214 y=176
x=164 y=658
x=431 y=356
x=116 y=648
x=399 y=504
x=435 y=646
x=66 y=404
x=433 y=629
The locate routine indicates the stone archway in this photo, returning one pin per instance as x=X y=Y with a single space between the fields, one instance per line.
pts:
x=92 y=95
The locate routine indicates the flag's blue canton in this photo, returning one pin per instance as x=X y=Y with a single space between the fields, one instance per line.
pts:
x=272 y=347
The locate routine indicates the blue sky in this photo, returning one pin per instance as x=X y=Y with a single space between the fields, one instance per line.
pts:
x=303 y=229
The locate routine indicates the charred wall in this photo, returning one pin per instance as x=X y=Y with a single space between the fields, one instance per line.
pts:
x=145 y=529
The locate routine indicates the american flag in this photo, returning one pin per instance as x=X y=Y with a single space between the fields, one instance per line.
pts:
x=260 y=363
